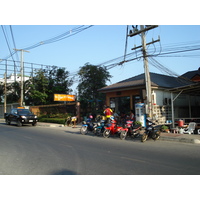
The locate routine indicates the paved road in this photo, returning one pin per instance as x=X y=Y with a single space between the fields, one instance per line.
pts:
x=52 y=150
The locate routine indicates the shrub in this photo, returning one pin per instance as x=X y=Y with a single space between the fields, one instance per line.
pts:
x=53 y=120
x=138 y=122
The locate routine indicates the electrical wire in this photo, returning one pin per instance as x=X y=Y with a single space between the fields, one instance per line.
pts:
x=177 y=49
x=162 y=68
x=126 y=43
x=7 y=42
x=17 y=57
x=62 y=36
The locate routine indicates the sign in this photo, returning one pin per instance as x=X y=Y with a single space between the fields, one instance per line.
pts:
x=64 y=97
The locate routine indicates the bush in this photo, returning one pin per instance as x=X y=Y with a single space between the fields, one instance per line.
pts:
x=59 y=118
x=58 y=115
x=53 y=120
x=138 y=122
x=164 y=127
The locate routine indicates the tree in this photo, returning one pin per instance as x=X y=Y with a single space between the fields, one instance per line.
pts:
x=1 y=91
x=13 y=92
x=36 y=89
x=40 y=89
x=92 y=78
x=59 y=82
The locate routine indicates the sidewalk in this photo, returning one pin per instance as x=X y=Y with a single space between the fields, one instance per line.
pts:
x=185 y=138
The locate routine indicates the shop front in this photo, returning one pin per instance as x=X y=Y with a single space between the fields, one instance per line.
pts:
x=123 y=101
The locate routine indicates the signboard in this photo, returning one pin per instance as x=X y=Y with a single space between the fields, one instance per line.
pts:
x=64 y=97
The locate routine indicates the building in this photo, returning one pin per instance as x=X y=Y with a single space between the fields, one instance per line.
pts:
x=13 y=78
x=193 y=75
x=124 y=95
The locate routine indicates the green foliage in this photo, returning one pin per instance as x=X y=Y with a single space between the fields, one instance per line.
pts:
x=138 y=122
x=37 y=88
x=92 y=78
x=53 y=115
x=13 y=92
x=59 y=118
x=42 y=87
x=53 y=120
x=1 y=91
x=164 y=127
x=59 y=83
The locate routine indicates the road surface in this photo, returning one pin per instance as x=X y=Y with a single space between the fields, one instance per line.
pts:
x=36 y=150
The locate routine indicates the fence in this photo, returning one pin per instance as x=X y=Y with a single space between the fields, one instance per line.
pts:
x=8 y=108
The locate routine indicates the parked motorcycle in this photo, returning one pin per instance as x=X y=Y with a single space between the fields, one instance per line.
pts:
x=99 y=128
x=88 y=125
x=151 y=131
x=113 y=129
x=133 y=130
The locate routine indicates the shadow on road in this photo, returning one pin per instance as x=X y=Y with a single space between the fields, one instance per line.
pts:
x=64 y=172
x=115 y=137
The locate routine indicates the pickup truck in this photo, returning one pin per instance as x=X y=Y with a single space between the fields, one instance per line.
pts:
x=20 y=116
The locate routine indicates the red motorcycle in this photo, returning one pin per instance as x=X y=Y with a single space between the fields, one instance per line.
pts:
x=113 y=129
x=133 y=130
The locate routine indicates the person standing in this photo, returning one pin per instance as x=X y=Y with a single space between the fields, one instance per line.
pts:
x=132 y=116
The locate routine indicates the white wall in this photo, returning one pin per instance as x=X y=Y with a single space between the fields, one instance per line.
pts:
x=182 y=100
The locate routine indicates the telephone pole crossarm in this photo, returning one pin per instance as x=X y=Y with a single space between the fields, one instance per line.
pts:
x=143 y=30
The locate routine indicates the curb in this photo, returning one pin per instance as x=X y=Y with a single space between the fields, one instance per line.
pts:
x=183 y=140
x=50 y=125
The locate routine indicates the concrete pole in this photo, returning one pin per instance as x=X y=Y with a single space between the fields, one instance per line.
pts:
x=22 y=75
x=147 y=75
x=5 y=89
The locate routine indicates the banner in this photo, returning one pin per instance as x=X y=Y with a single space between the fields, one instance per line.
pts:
x=64 y=97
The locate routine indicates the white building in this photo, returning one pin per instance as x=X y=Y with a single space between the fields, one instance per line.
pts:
x=13 y=77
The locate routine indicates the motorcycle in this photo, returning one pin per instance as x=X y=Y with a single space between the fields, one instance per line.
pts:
x=151 y=131
x=99 y=128
x=88 y=125
x=113 y=129
x=133 y=130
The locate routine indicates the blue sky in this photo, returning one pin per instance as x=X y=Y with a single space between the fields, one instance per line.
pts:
x=102 y=43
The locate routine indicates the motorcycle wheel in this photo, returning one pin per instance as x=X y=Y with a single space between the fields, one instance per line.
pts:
x=106 y=133
x=84 y=130
x=123 y=135
x=98 y=131
x=156 y=136
x=137 y=134
x=144 y=137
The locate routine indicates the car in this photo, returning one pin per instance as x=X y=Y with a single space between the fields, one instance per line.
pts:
x=20 y=116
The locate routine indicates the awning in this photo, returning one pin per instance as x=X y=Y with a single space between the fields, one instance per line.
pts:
x=193 y=90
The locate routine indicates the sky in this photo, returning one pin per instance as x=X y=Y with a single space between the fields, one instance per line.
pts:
x=102 y=43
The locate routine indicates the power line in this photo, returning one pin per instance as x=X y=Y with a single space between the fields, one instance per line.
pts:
x=161 y=67
x=7 y=42
x=151 y=53
x=62 y=36
x=13 y=39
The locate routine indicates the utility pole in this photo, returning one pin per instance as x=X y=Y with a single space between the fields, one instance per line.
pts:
x=22 y=75
x=5 y=89
x=142 y=31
